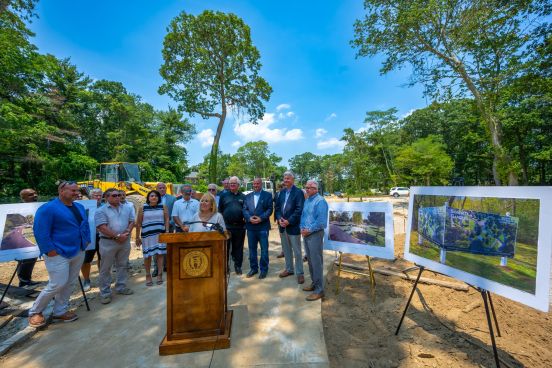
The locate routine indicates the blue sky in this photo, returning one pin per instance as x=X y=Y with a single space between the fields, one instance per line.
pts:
x=319 y=88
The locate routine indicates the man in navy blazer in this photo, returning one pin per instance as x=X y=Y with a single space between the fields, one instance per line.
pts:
x=288 y=208
x=256 y=212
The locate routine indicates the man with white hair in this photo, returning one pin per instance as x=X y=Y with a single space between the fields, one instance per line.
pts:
x=288 y=209
x=313 y=222
x=231 y=206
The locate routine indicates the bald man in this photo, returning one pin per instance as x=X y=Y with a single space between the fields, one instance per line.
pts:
x=26 y=266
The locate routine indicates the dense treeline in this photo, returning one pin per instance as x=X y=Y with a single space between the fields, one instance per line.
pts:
x=442 y=144
x=57 y=123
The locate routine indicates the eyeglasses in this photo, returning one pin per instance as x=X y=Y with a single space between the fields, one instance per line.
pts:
x=212 y=190
x=233 y=183
x=116 y=195
x=311 y=188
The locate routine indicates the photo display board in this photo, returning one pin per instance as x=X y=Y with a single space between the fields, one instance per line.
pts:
x=495 y=238
x=361 y=228
x=16 y=226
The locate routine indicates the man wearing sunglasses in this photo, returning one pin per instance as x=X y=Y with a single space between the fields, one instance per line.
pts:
x=184 y=209
x=62 y=233
x=114 y=222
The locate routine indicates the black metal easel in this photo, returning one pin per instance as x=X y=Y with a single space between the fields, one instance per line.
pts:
x=17 y=269
x=485 y=294
x=9 y=283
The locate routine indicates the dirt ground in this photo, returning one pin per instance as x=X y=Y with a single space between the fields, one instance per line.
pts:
x=443 y=327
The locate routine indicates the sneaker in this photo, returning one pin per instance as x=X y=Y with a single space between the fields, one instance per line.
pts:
x=37 y=320
x=86 y=285
x=66 y=317
x=125 y=291
x=105 y=299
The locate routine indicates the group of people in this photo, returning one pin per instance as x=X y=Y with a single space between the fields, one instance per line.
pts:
x=62 y=233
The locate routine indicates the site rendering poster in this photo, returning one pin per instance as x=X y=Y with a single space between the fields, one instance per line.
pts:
x=364 y=228
x=16 y=226
x=495 y=238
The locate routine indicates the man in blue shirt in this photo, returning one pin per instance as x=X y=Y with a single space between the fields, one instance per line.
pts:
x=62 y=233
x=314 y=220
x=257 y=209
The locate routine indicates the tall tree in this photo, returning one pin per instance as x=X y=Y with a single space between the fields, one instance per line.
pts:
x=306 y=166
x=430 y=151
x=254 y=159
x=210 y=65
x=457 y=47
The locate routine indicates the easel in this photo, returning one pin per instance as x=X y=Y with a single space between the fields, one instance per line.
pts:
x=17 y=269
x=485 y=294
x=370 y=274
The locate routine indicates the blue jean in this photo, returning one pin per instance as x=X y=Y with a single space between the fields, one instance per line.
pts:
x=261 y=237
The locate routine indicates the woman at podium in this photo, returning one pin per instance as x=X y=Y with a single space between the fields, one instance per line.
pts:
x=208 y=218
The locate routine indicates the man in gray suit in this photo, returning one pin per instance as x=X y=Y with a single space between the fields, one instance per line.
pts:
x=166 y=200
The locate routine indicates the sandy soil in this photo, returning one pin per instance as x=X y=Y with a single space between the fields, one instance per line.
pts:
x=443 y=327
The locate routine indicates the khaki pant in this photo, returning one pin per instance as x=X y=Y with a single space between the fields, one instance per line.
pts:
x=116 y=254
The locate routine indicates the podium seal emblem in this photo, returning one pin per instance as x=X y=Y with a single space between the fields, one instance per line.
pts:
x=195 y=263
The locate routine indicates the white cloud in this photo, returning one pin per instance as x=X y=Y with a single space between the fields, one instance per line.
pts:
x=290 y=114
x=333 y=115
x=407 y=114
x=283 y=107
x=330 y=143
x=361 y=129
x=320 y=132
x=206 y=137
x=263 y=131
x=236 y=144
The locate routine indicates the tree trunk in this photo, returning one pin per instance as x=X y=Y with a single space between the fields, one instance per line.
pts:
x=214 y=149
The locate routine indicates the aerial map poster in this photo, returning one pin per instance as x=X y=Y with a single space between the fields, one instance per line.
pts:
x=16 y=226
x=361 y=228
x=496 y=238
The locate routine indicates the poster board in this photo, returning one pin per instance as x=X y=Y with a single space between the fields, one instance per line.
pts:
x=16 y=229
x=364 y=228
x=495 y=238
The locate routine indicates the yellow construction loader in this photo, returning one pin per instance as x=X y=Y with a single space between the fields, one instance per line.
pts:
x=123 y=176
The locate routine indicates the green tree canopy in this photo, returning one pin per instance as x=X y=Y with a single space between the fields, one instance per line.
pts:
x=458 y=47
x=210 y=65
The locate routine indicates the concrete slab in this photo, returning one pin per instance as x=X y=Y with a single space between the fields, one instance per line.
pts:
x=273 y=325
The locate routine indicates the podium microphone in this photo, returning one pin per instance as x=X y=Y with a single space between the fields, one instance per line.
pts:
x=208 y=225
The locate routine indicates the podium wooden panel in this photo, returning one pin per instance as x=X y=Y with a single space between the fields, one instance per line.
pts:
x=198 y=318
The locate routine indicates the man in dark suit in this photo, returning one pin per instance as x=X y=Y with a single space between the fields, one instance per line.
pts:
x=256 y=211
x=168 y=201
x=288 y=208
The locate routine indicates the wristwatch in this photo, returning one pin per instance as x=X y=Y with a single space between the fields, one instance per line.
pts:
x=116 y=237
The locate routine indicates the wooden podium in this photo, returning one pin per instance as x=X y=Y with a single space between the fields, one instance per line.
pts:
x=197 y=315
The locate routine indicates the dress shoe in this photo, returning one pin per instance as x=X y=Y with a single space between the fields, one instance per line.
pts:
x=308 y=288
x=314 y=297
x=285 y=273
x=300 y=279
x=28 y=283
x=262 y=275
x=238 y=270
x=281 y=255
x=251 y=273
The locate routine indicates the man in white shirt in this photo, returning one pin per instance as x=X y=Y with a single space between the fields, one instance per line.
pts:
x=184 y=209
